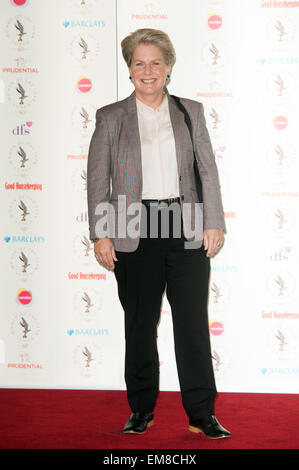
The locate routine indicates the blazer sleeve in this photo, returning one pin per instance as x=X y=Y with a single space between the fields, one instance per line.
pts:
x=98 y=170
x=213 y=214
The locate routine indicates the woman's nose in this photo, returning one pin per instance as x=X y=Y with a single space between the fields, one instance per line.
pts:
x=148 y=68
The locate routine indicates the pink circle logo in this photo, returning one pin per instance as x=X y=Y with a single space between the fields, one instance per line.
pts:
x=84 y=84
x=24 y=296
x=280 y=122
x=18 y=3
x=216 y=328
x=214 y=21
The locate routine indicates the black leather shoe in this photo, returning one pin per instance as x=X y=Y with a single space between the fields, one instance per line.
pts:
x=209 y=426
x=138 y=422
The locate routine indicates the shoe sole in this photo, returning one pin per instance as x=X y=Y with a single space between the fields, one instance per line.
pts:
x=198 y=430
x=131 y=431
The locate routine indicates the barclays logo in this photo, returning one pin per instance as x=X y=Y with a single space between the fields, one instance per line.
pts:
x=279 y=60
x=280 y=370
x=88 y=332
x=84 y=23
x=24 y=239
x=224 y=268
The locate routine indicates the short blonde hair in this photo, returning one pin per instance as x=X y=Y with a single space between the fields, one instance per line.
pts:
x=150 y=36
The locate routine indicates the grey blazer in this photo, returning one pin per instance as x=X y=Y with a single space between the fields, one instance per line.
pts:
x=114 y=168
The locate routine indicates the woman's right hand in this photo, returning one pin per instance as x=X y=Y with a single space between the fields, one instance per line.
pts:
x=105 y=253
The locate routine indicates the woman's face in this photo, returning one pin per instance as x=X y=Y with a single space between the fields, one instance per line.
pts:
x=148 y=70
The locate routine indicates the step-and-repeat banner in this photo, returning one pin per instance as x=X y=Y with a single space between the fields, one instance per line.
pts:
x=62 y=324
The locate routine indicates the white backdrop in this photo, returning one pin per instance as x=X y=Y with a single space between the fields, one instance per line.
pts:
x=61 y=322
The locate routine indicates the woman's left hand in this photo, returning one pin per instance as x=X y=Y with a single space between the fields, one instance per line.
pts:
x=213 y=240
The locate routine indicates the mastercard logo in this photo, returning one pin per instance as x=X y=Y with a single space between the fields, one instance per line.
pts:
x=214 y=21
x=216 y=328
x=280 y=122
x=84 y=84
x=24 y=296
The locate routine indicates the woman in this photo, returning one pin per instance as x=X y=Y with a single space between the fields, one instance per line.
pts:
x=143 y=146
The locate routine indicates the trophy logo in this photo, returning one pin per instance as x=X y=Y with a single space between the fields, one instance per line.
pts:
x=215 y=118
x=217 y=360
x=281 y=339
x=25 y=327
x=88 y=359
x=280 y=28
x=280 y=85
x=84 y=47
x=216 y=291
x=85 y=117
x=88 y=356
x=215 y=53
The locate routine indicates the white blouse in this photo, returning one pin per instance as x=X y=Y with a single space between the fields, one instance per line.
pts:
x=159 y=164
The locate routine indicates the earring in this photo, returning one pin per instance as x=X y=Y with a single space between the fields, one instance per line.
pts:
x=130 y=77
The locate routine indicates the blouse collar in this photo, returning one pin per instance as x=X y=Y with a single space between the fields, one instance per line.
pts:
x=149 y=110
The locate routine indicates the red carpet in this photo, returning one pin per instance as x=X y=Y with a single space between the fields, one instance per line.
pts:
x=92 y=419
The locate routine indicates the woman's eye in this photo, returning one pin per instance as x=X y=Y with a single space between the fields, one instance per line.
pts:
x=155 y=63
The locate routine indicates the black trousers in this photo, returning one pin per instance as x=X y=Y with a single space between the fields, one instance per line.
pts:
x=142 y=277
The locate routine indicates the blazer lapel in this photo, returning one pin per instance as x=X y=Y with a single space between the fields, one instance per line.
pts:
x=178 y=126
x=132 y=130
